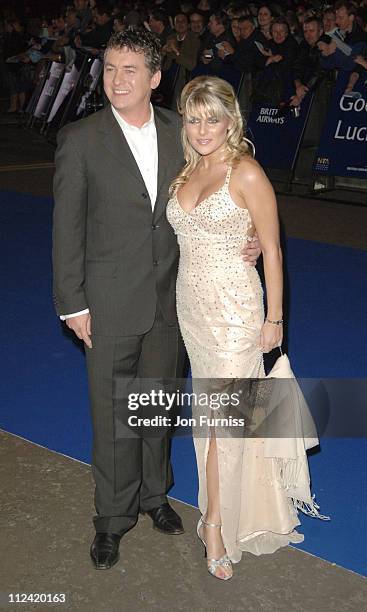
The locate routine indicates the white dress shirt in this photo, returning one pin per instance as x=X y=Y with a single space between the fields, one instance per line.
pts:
x=144 y=147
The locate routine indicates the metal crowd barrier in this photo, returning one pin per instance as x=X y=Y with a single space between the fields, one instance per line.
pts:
x=65 y=94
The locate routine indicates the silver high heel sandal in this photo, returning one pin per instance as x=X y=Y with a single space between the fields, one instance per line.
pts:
x=213 y=564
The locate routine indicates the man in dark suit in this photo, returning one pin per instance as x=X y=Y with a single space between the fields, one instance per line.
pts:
x=115 y=265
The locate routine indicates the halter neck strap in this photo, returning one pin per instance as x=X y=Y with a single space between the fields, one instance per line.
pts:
x=228 y=176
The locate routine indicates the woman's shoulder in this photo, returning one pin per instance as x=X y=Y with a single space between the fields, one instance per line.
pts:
x=247 y=169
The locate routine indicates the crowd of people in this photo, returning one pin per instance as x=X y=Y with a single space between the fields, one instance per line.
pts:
x=287 y=47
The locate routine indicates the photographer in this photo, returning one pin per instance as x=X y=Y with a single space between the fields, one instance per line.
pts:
x=218 y=35
x=307 y=69
x=182 y=46
x=17 y=72
x=359 y=71
x=96 y=39
x=84 y=14
x=349 y=33
x=247 y=56
x=159 y=25
x=274 y=83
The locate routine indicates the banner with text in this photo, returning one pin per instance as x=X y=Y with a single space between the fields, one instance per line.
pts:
x=49 y=90
x=342 y=147
x=277 y=133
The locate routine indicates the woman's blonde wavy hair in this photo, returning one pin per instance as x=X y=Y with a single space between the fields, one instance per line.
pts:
x=209 y=96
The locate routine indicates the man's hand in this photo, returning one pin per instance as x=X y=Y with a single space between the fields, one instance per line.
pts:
x=326 y=49
x=251 y=251
x=170 y=46
x=225 y=49
x=301 y=91
x=273 y=59
x=174 y=46
x=362 y=61
x=82 y=327
x=295 y=101
x=265 y=52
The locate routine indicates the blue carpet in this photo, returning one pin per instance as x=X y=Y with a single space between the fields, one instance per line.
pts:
x=44 y=390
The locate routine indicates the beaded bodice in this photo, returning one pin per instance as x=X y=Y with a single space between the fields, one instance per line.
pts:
x=213 y=233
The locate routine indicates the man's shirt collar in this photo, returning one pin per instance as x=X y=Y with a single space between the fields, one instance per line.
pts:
x=133 y=128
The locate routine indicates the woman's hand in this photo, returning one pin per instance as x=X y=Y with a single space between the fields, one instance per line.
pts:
x=271 y=336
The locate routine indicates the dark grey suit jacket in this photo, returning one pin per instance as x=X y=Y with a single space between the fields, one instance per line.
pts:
x=111 y=254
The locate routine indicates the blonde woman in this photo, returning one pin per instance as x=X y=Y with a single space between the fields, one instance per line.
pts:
x=221 y=198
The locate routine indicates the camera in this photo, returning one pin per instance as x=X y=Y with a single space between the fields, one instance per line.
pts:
x=285 y=107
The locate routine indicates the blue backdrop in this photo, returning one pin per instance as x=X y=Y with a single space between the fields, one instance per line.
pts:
x=342 y=149
x=276 y=134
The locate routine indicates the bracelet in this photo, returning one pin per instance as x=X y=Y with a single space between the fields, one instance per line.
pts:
x=274 y=322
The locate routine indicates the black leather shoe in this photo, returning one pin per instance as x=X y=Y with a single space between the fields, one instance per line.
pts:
x=104 y=551
x=166 y=520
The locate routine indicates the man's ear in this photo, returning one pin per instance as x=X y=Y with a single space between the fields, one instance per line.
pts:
x=156 y=79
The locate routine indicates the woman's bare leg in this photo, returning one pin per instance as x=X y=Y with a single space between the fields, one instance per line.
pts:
x=212 y=535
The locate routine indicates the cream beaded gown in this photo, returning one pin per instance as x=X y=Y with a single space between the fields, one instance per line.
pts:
x=220 y=312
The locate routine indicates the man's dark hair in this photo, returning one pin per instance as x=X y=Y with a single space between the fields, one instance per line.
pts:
x=120 y=17
x=312 y=19
x=221 y=17
x=198 y=12
x=351 y=9
x=159 y=15
x=103 y=7
x=181 y=13
x=246 y=18
x=361 y=17
x=280 y=21
x=133 y=19
x=139 y=40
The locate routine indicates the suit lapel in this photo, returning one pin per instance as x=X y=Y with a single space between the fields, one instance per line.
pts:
x=115 y=141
